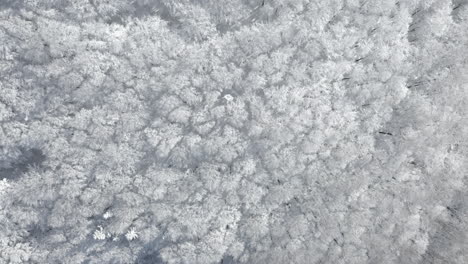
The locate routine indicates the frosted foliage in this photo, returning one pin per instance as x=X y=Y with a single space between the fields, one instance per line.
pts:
x=99 y=234
x=131 y=234
x=242 y=131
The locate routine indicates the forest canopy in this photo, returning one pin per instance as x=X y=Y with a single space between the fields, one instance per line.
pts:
x=233 y=131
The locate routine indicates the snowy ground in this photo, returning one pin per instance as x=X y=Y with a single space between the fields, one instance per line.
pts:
x=233 y=131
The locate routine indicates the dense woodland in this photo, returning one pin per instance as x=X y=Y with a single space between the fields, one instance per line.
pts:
x=233 y=131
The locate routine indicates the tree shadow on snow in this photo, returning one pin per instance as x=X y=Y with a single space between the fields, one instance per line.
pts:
x=28 y=158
